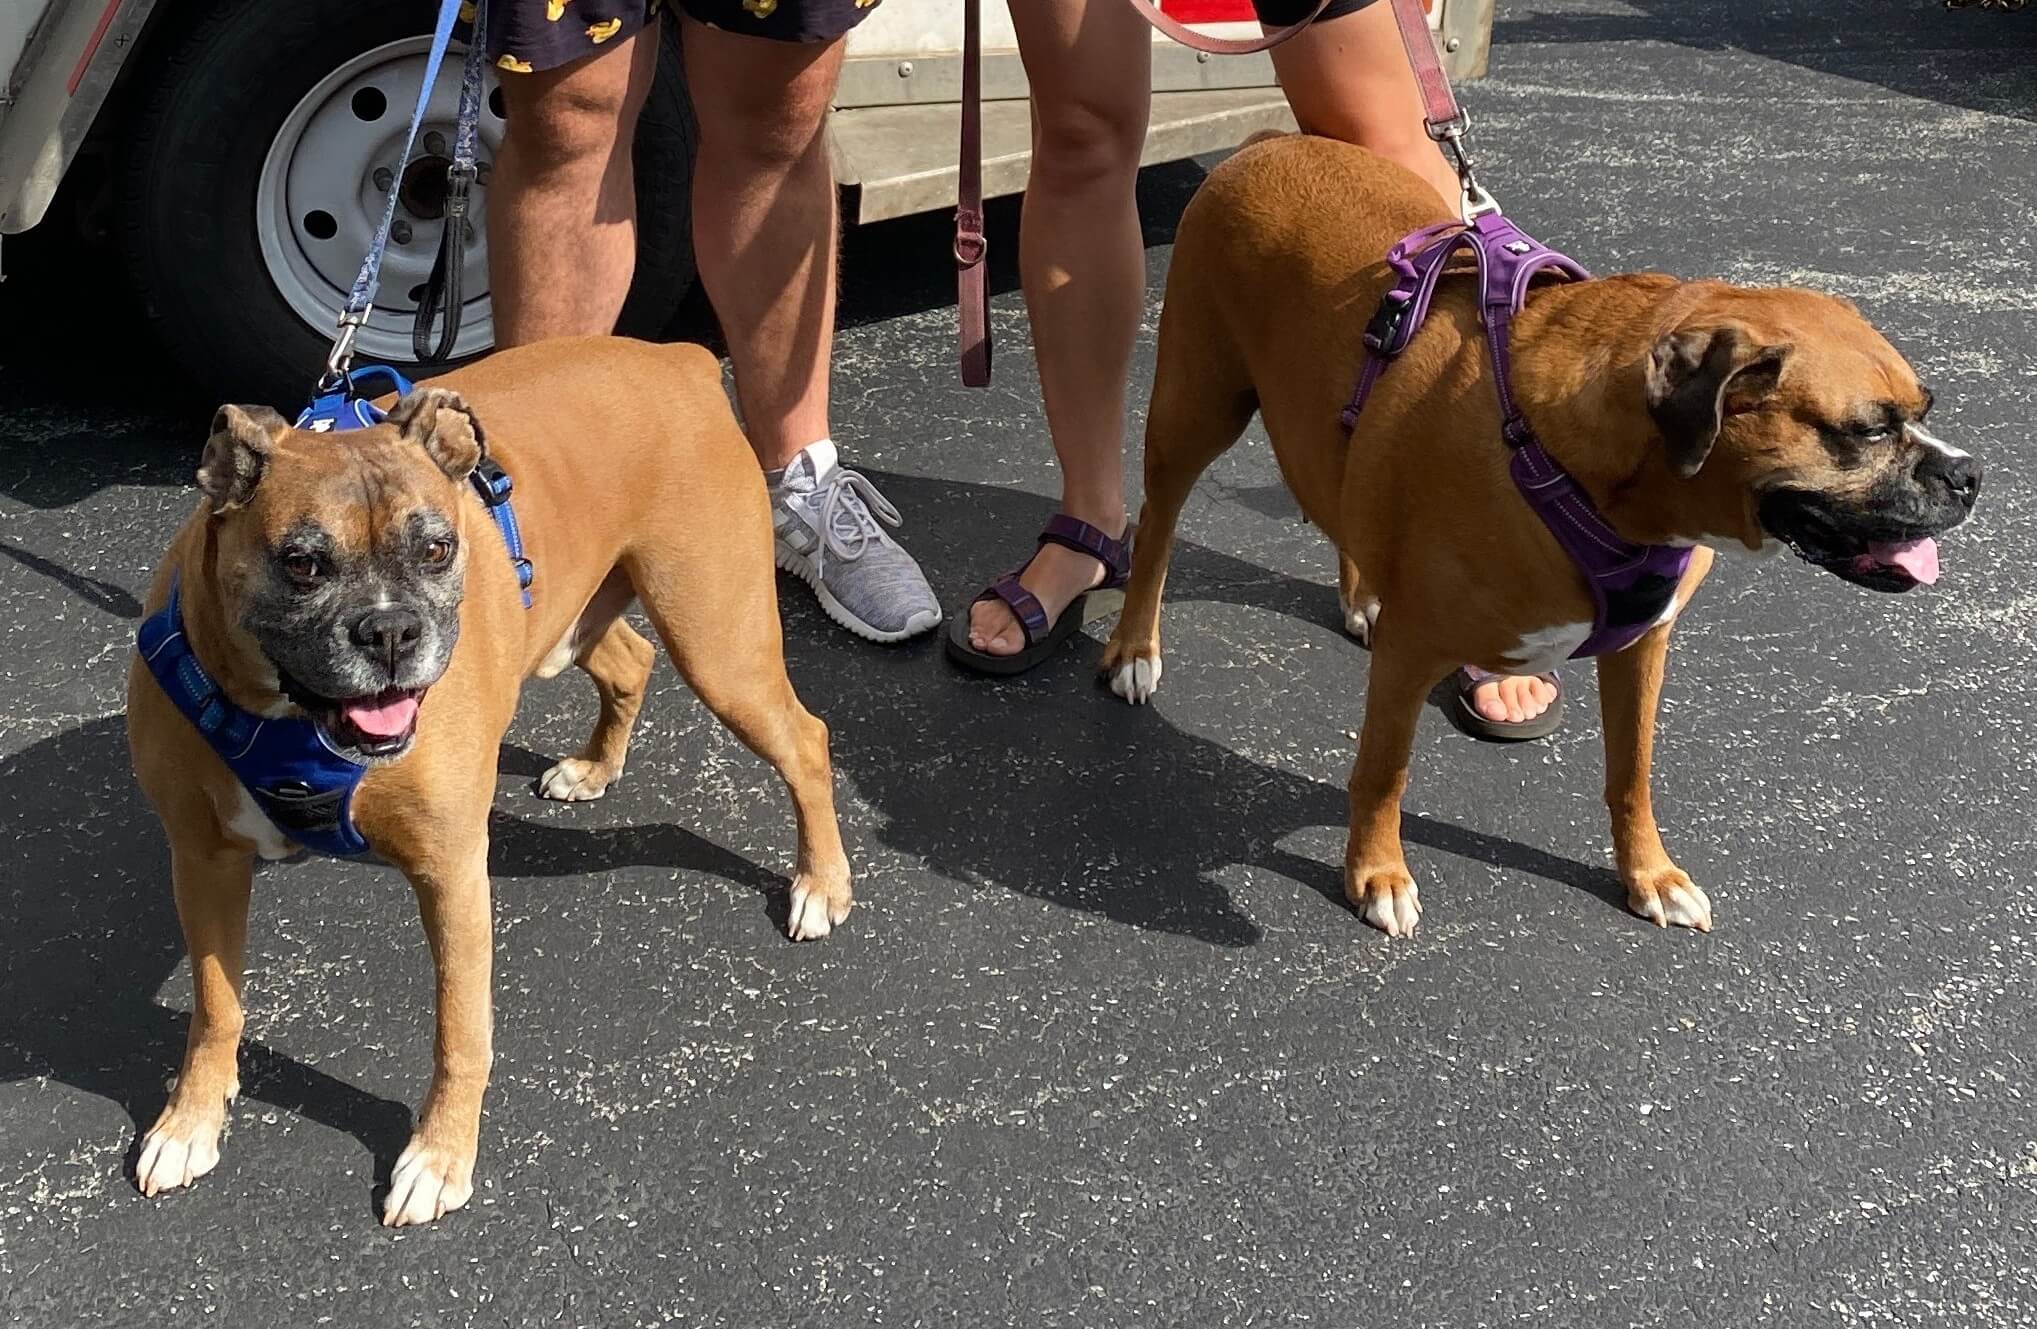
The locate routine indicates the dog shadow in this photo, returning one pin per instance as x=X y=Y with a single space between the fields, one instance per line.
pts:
x=1050 y=786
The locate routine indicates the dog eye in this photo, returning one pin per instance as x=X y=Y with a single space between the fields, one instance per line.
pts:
x=438 y=553
x=301 y=565
x=1875 y=433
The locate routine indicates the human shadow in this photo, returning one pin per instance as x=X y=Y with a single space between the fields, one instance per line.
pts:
x=102 y=595
x=1049 y=786
x=1972 y=58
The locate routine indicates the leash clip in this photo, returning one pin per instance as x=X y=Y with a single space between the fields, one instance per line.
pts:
x=341 y=358
x=1473 y=202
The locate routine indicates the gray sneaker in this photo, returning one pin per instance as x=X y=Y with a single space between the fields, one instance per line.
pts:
x=830 y=523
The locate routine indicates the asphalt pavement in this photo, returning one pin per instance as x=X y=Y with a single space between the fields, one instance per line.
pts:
x=1102 y=1045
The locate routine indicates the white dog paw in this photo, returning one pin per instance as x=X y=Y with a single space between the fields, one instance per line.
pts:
x=1136 y=679
x=1387 y=899
x=817 y=909
x=1360 y=619
x=181 y=1147
x=576 y=780
x=428 y=1183
x=1668 y=898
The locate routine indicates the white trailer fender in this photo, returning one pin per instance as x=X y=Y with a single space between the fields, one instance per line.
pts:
x=57 y=84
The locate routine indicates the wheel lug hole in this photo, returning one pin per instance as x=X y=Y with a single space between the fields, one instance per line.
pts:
x=384 y=178
x=400 y=232
x=435 y=143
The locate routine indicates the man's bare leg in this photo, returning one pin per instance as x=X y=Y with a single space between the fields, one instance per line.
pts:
x=764 y=233
x=562 y=211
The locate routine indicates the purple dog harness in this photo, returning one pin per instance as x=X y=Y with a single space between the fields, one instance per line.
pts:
x=1631 y=585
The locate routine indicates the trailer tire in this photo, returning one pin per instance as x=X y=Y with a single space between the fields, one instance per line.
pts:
x=244 y=300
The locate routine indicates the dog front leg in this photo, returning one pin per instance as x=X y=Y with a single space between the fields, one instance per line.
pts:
x=212 y=884
x=435 y=1174
x=1376 y=879
x=1630 y=684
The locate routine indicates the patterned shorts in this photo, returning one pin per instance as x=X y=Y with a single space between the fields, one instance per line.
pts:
x=525 y=36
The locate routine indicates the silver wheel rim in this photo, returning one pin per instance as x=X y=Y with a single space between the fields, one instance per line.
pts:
x=319 y=199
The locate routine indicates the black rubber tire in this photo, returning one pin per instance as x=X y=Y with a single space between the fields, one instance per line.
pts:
x=221 y=87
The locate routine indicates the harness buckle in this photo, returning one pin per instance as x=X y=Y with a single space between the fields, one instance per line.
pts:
x=493 y=483
x=1383 y=331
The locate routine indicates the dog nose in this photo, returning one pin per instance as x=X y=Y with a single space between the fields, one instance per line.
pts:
x=1957 y=472
x=391 y=634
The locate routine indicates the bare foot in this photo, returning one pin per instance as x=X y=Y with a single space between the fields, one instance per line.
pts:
x=1512 y=698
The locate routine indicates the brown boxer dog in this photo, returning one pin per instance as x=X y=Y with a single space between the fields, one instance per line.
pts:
x=632 y=482
x=1692 y=413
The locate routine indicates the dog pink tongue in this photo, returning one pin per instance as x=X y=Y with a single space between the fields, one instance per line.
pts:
x=386 y=716
x=1919 y=558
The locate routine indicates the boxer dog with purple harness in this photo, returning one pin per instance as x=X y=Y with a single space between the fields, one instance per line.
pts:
x=1543 y=474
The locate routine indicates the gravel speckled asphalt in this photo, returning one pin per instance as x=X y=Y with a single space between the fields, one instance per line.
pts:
x=1102 y=1045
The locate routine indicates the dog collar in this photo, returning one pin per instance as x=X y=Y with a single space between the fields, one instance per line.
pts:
x=1633 y=587
x=296 y=776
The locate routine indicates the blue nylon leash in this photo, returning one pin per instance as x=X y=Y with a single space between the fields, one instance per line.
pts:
x=361 y=299
x=442 y=289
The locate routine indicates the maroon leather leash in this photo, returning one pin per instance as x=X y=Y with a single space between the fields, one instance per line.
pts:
x=1441 y=115
x=972 y=295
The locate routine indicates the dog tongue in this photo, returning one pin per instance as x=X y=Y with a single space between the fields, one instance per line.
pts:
x=1919 y=558
x=386 y=716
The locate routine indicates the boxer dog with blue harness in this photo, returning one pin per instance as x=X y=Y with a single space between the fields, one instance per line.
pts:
x=1535 y=464
x=337 y=637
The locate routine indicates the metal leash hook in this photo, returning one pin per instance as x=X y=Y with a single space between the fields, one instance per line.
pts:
x=1473 y=202
x=339 y=361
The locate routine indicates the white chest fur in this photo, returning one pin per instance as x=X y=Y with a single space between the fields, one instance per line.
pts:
x=1545 y=648
x=250 y=823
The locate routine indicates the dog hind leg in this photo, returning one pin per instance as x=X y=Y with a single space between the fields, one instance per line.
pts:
x=619 y=661
x=1202 y=400
x=714 y=601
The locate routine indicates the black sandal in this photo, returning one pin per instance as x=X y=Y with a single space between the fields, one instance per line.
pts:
x=1042 y=637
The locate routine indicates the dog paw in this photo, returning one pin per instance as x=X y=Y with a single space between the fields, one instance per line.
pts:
x=817 y=908
x=1361 y=618
x=428 y=1182
x=576 y=780
x=1667 y=897
x=1386 y=898
x=1133 y=676
x=181 y=1147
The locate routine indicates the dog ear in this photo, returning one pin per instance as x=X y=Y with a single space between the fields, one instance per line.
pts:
x=237 y=453
x=440 y=421
x=1699 y=376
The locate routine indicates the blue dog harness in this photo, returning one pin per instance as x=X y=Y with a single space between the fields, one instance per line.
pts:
x=288 y=765
x=297 y=777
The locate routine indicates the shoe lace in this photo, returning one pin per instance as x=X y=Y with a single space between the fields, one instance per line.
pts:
x=849 y=509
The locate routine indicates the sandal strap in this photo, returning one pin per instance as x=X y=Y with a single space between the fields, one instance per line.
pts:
x=1024 y=605
x=1080 y=536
